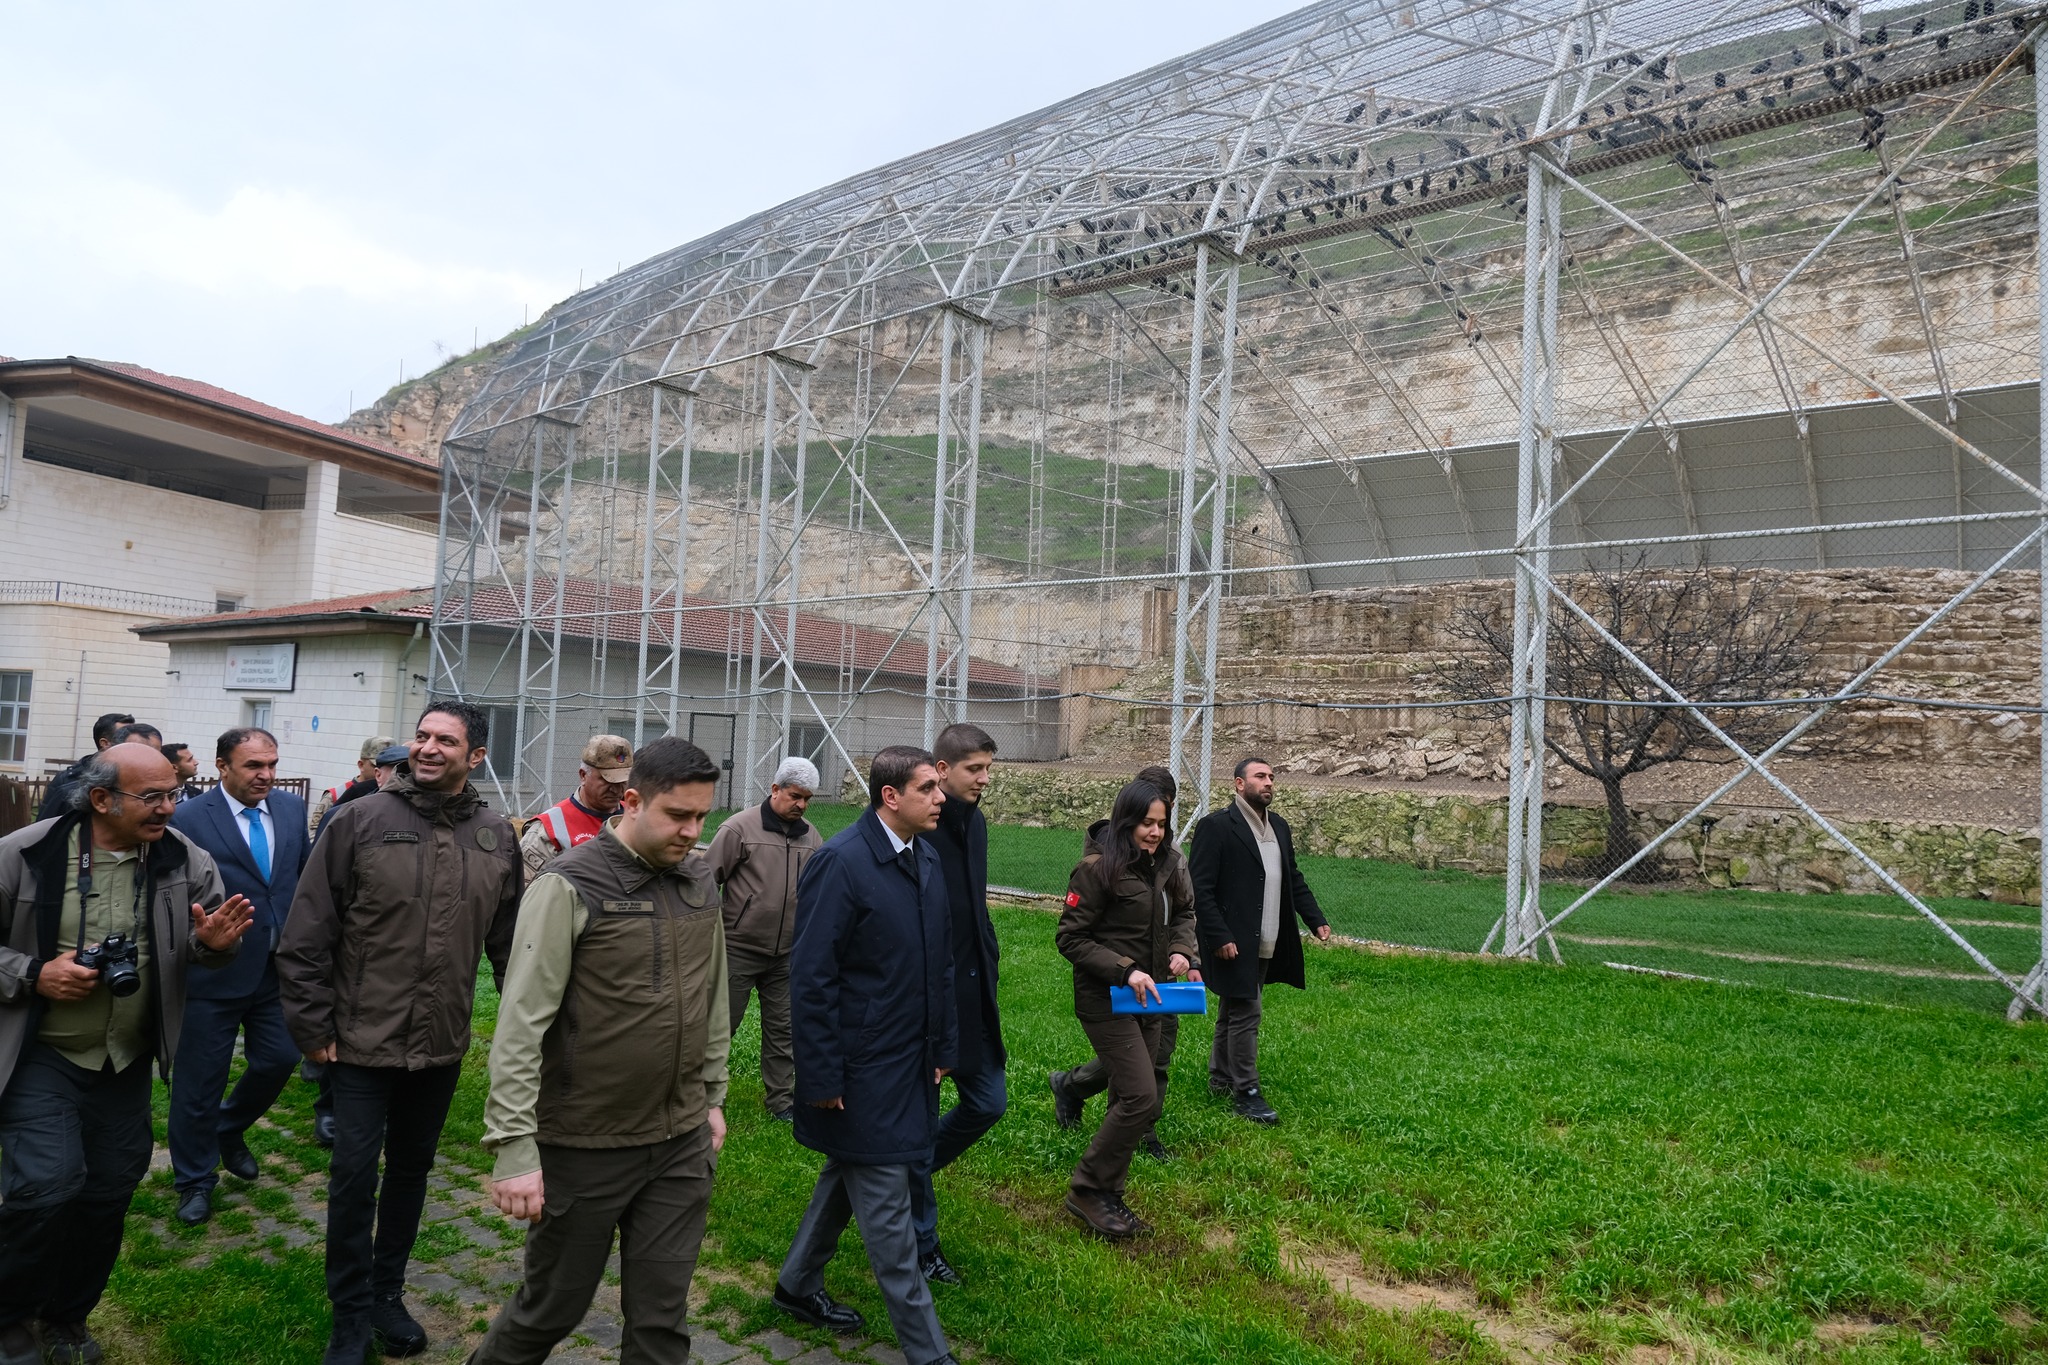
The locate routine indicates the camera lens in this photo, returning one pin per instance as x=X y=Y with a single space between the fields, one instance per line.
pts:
x=121 y=979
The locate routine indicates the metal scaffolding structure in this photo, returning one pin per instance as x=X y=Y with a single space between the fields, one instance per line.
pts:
x=1426 y=290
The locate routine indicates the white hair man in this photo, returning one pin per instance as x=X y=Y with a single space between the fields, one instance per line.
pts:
x=757 y=856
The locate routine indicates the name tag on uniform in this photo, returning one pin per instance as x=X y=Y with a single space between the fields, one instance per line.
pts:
x=402 y=836
x=628 y=908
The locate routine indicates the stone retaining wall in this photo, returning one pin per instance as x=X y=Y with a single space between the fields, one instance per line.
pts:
x=1760 y=849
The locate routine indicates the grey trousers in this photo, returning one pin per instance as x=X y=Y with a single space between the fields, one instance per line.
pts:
x=1234 y=1055
x=747 y=971
x=879 y=1196
x=654 y=1197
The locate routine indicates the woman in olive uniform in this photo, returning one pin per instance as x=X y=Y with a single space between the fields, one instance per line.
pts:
x=1122 y=928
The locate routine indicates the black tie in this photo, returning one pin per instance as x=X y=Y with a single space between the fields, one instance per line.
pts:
x=906 y=858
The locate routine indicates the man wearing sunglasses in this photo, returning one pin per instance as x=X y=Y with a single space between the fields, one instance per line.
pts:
x=104 y=910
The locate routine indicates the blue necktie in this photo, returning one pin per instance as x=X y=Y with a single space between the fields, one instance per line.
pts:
x=259 y=842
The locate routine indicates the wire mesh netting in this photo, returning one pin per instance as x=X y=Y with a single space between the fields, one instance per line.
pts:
x=1504 y=418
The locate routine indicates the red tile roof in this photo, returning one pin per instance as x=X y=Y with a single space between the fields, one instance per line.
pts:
x=710 y=625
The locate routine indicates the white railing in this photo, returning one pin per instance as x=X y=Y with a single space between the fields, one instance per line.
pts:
x=56 y=592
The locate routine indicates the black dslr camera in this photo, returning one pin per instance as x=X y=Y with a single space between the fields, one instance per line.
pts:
x=114 y=959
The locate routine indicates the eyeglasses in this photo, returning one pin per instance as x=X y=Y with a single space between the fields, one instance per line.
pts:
x=151 y=798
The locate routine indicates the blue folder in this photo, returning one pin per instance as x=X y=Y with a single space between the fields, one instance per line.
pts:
x=1175 y=997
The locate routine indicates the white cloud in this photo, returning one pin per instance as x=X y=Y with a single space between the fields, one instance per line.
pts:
x=257 y=242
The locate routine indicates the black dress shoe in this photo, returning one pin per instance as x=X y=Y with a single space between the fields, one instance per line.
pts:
x=394 y=1330
x=323 y=1129
x=349 y=1343
x=938 y=1270
x=69 y=1343
x=819 y=1310
x=195 y=1207
x=1252 y=1105
x=1151 y=1146
x=1066 y=1109
x=19 y=1345
x=1105 y=1216
x=236 y=1158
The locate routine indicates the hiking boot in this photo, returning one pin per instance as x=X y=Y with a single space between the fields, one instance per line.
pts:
x=1151 y=1146
x=1104 y=1214
x=349 y=1342
x=1252 y=1105
x=1139 y=1227
x=1066 y=1109
x=396 y=1332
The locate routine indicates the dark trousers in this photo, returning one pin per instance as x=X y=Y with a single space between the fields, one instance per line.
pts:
x=983 y=1097
x=370 y=1229
x=654 y=1198
x=74 y=1144
x=1091 y=1078
x=879 y=1196
x=1234 y=1055
x=206 y=1047
x=1126 y=1045
x=748 y=971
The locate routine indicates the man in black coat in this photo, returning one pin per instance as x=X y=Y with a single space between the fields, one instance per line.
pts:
x=966 y=756
x=872 y=1022
x=1248 y=894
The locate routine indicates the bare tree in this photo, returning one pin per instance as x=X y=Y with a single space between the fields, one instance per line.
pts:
x=1721 y=637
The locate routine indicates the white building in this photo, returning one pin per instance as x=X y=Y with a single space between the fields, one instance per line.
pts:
x=130 y=498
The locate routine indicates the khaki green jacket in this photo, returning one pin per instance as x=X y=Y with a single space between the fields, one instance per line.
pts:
x=614 y=1027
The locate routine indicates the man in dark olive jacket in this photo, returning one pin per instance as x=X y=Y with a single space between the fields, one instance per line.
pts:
x=401 y=896
x=872 y=1018
x=1248 y=895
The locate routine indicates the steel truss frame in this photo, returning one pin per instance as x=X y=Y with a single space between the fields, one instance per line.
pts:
x=1194 y=178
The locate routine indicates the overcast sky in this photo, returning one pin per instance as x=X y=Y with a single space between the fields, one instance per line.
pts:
x=291 y=200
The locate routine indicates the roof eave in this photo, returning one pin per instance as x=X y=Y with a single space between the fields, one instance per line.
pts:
x=71 y=378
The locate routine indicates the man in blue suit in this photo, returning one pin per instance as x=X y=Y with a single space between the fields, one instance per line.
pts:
x=257 y=837
x=874 y=1022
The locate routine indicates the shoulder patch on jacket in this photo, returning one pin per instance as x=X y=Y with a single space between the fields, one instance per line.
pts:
x=1073 y=899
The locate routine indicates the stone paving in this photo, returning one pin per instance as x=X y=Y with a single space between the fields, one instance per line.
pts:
x=468 y=1260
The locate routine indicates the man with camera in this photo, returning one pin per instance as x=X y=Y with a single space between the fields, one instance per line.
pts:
x=103 y=912
x=257 y=836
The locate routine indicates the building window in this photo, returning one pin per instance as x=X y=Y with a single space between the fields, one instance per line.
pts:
x=14 y=717
x=501 y=741
x=256 y=713
x=807 y=740
x=223 y=604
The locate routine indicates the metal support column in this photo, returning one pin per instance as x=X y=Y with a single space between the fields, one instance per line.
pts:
x=1204 y=475
x=956 y=476
x=743 y=788
x=2036 y=983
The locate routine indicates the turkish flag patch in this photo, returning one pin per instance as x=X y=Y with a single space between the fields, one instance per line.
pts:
x=1073 y=899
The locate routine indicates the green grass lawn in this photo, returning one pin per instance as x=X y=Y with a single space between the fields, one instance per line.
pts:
x=1608 y=1161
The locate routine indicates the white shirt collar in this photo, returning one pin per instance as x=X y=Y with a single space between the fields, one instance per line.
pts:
x=896 y=843
x=239 y=806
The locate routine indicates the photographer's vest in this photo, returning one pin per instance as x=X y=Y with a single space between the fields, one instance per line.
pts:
x=622 y=1065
